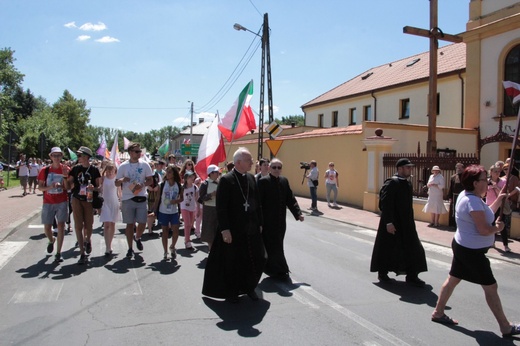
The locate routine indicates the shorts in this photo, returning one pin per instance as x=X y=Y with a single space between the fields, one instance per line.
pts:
x=134 y=212
x=83 y=213
x=60 y=211
x=32 y=181
x=23 y=181
x=167 y=219
x=471 y=265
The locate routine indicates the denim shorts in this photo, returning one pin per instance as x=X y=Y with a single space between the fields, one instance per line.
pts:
x=58 y=210
x=167 y=219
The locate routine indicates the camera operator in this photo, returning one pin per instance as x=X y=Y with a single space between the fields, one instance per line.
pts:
x=312 y=182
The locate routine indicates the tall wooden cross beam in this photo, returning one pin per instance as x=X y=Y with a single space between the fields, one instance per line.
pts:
x=435 y=34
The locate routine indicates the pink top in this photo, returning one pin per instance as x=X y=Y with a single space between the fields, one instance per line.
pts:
x=494 y=190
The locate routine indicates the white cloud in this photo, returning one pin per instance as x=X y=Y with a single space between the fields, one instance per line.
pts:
x=83 y=38
x=181 y=121
x=93 y=27
x=70 y=25
x=107 y=39
x=276 y=109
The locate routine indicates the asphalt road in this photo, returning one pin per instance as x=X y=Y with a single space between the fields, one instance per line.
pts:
x=333 y=298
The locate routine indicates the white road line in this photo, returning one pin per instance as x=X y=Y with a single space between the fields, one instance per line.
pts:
x=35 y=226
x=42 y=292
x=345 y=312
x=9 y=249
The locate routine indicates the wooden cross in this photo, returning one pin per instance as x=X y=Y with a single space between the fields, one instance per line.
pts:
x=435 y=34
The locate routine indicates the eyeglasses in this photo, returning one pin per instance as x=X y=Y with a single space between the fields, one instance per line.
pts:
x=56 y=155
x=189 y=164
x=79 y=155
x=276 y=167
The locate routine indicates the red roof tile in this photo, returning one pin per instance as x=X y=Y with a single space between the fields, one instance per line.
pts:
x=451 y=58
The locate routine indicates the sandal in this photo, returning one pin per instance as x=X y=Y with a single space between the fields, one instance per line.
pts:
x=444 y=319
x=515 y=330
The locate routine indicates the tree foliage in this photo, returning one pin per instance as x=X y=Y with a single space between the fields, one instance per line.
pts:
x=298 y=120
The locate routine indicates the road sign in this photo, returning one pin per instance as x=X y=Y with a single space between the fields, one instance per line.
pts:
x=190 y=149
x=274 y=145
x=274 y=129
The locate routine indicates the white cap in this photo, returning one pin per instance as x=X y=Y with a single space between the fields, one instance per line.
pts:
x=436 y=168
x=212 y=168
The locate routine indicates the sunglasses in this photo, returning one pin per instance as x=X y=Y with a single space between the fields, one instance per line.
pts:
x=56 y=155
x=276 y=167
x=137 y=151
x=80 y=155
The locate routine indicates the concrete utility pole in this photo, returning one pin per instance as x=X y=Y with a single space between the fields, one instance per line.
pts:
x=435 y=34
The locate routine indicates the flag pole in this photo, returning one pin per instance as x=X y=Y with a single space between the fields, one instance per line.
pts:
x=511 y=164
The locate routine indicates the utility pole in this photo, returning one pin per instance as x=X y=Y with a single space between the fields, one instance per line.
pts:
x=434 y=34
x=191 y=124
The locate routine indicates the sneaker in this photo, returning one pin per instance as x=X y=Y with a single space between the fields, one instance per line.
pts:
x=174 y=253
x=165 y=257
x=129 y=253
x=336 y=205
x=507 y=249
x=139 y=244
x=82 y=259
x=50 y=246
x=108 y=253
x=55 y=232
x=330 y=205
x=189 y=246
x=88 y=247
x=58 y=258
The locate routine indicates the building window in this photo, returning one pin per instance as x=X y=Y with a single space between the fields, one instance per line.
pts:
x=320 y=120
x=405 y=109
x=512 y=74
x=352 y=116
x=335 y=119
x=367 y=113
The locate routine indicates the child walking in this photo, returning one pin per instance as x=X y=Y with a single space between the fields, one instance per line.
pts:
x=189 y=206
x=110 y=210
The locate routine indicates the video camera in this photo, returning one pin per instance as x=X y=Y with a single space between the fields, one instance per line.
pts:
x=305 y=165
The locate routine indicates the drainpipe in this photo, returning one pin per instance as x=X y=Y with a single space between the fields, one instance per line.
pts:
x=462 y=101
x=375 y=105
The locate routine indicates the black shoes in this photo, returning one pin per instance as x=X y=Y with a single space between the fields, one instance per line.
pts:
x=88 y=247
x=50 y=246
x=129 y=253
x=232 y=300
x=139 y=244
x=57 y=258
x=415 y=281
x=383 y=278
x=82 y=259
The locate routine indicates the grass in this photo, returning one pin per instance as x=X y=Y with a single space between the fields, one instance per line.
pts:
x=13 y=181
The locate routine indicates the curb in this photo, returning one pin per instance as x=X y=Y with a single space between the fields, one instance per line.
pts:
x=15 y=226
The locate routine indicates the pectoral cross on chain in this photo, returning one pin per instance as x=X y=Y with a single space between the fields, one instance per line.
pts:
x=246 y=205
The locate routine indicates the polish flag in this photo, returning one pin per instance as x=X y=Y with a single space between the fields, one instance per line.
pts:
x=211 y=150
x=512 y=90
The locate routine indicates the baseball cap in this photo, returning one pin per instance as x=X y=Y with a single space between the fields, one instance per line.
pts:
x=403 y=162
x=212 y=168
x=188 y=173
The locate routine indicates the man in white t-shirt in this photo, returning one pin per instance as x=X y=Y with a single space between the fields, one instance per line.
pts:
x=23 y=173
x=133 y=176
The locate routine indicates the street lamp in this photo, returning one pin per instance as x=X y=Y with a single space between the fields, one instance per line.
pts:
x=266 y=65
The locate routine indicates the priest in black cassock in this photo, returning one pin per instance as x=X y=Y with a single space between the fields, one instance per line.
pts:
x=276 y=196
x=237 y=257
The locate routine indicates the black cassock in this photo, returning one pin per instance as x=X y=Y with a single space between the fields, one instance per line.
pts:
x=276 y=196
x=402 y=252
x=236 y=268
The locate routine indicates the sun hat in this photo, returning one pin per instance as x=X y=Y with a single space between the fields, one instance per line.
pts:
x=56 y=150
x=84 y=150
x=212 y=168
x=436 y=168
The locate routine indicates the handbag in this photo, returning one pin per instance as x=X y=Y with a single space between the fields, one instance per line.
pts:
x=97 y=202
x=315 y=182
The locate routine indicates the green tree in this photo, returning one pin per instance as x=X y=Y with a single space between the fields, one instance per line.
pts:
x=10 y=81
x=76 y=115
x=298 y=120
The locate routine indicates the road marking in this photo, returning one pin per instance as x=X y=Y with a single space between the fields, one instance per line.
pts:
x=43 y=292
x=342 y=310
x=9 y=249
x=36 y=226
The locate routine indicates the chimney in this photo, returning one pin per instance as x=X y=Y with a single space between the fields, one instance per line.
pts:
x=293 y=124
x=201 y=120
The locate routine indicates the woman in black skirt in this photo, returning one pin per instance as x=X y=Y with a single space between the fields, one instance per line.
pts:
x=475 y=235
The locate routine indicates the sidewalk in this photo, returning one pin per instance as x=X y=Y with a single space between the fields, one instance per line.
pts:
x=17 y=211
x=439 y=236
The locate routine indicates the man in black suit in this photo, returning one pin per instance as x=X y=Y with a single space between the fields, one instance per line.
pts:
x=236 y=260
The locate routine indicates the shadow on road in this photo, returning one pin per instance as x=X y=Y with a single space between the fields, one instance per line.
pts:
x=282 y=287
x=241 y=317
x=410 y=294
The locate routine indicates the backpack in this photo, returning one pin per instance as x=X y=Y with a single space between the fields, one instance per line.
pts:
x=382 y=192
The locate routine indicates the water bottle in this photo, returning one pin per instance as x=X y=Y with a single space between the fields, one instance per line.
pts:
x=90 y=192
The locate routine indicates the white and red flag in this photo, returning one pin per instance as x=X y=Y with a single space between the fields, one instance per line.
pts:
x=512 y=90
x=211 y=150
x=114 y=153
x=239 y=120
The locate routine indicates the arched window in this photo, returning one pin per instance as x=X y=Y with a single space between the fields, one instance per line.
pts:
x=511 y=73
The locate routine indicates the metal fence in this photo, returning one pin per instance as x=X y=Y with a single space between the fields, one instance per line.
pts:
x=423 y=165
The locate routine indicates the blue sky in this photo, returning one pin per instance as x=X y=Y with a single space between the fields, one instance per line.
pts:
x=138 y=63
